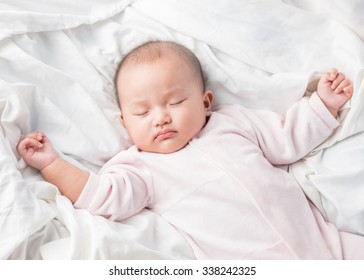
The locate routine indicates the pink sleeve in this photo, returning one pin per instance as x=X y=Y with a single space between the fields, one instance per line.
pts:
x=122 y=188
x=286 y=139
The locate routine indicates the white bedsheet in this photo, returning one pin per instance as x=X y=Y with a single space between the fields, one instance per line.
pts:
x=57 y=62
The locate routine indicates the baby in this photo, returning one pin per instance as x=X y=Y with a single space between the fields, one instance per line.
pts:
x=209 y=173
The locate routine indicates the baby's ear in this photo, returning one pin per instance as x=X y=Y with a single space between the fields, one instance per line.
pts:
x=208 y=99
x=121 y=119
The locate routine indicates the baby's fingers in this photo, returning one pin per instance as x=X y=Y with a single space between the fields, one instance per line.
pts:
x=345 y=83
x=348 y=91
x=332 y=74
x=29 y=143
x=340 y=77
x=37 y=135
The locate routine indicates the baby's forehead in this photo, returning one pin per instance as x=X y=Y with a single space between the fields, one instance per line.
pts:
x=156 y=64
x=152 y=55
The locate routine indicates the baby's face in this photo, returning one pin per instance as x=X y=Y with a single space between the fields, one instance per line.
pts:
x=163 y=104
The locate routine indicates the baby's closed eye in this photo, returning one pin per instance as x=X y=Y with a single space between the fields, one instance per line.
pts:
x=141 y=113
x=177 y=102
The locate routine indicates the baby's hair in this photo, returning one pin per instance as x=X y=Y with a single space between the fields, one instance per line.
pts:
x=152 y=50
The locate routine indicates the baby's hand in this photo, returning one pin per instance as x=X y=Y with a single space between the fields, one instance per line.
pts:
x=334 y=90
x=37 y=151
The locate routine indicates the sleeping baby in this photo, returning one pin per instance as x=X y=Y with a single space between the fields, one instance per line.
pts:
x=208 y=172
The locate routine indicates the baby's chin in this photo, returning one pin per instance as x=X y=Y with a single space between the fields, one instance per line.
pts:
x=163 y=149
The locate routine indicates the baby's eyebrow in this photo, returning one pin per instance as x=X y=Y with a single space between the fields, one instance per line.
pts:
x=138 y=103
x=175 y=92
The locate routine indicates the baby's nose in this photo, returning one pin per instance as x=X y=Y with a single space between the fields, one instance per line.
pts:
x=162 y=117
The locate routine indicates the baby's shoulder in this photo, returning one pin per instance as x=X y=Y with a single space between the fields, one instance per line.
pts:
x=231 y=110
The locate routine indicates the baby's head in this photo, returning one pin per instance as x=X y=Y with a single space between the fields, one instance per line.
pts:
x=162 y=96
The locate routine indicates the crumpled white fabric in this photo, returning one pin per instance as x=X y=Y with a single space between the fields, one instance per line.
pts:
x=21 y=16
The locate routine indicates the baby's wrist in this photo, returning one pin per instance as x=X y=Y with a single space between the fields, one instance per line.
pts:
x=49 y=164
x=333 y=111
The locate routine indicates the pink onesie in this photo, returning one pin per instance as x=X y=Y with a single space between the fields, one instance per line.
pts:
x=222 y=191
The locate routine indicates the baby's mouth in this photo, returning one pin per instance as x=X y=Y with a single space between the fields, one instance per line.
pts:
x=165 y=134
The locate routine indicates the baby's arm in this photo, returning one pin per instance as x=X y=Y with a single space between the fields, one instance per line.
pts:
x=38 y=152
x=335 y=90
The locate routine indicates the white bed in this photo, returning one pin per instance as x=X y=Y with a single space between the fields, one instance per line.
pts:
x=57 y=64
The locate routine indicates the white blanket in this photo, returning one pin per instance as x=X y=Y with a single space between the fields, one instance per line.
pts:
x=57 y=64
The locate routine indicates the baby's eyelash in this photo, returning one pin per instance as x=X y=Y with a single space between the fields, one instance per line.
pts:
x=141 y=114
x=178 y=102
